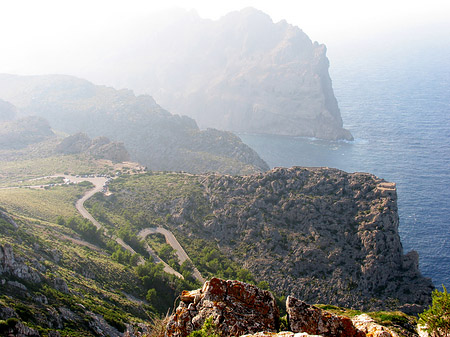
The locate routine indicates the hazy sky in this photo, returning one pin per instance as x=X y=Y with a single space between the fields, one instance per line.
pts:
x=32 y=31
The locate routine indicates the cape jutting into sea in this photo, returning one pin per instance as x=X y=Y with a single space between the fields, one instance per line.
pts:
x=397 y=107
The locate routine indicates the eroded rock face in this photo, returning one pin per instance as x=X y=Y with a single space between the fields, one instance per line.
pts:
x=19 y=329
x=240 y=309
x=9 y=264
x=308 y=318
x=237 y=308
x=320 y=234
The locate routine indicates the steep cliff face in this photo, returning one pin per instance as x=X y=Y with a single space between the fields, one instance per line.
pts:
x=153 y=136
x=321 y=234
x=241 y=73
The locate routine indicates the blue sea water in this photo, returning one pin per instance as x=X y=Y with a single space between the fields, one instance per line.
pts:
x=398 y=109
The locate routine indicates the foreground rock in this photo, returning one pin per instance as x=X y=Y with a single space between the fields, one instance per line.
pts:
x=281 y=334
x=366 y=324
x=237 y=308
x=308 y=318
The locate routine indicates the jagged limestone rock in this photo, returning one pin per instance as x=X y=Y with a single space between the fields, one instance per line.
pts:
x=366 y=324
x=303 y=317
x=9 y=264
x=237 y=308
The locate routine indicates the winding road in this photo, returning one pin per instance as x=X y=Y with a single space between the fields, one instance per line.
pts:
x=172 y=240
x=99 y=183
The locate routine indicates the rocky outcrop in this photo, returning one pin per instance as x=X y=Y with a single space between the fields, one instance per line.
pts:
x=308 y=318
x=99 y=148
x=153 y=136
x=10 y=265
x=8 y=219
x=236 y=308
x=14 y=328
x=280 y=334
x=366 y=324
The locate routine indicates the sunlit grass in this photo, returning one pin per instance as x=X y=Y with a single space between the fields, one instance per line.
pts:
x=42 y=204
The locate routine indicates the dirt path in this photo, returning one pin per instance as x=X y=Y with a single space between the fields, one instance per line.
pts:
x=172 y=241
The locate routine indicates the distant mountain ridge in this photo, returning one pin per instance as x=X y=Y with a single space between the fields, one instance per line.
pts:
x=242 y=73
x=17 y=134
x=153 y=136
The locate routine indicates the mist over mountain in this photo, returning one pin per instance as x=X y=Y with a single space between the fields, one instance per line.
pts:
x=242 y=73
x=7 y=111
x=153 y=136
x=19 y=133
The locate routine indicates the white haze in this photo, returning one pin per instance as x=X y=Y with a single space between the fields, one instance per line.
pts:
x=58 y=36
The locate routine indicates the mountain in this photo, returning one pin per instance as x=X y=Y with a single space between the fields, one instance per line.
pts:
x=7 y=111
x=242 y=73
x=19 y=133
x=153 y=136
x=99 y=148
x=320 y=234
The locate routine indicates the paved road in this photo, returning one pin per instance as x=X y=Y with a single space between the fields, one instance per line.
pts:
x=98 y=186
x=99 y=183
x=171 y=240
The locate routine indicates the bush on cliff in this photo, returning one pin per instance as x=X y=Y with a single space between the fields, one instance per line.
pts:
x=437 y=317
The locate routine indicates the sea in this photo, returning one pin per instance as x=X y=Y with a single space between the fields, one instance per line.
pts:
x=397 y=106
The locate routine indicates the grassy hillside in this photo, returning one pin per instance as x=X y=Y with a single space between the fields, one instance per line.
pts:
x=43 y=204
